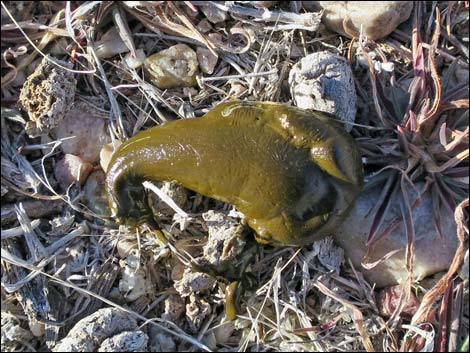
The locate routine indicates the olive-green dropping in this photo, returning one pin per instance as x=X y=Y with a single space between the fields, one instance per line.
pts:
x=293 y=173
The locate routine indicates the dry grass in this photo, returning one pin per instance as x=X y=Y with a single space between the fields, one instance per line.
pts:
x=55 y=273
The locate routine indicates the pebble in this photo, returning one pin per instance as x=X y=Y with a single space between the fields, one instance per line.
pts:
x=193 y=282
x=128 y=341
x=324 y=82
x=213 y=14
x=377 y=18
x=71 y=169
x=207 y=60
x=136 y=62
x=388 y=300
x=85 y=131
x=431 y=252
x=204 y=26
x=89 y=333
x=110 y=45
x=174 y=67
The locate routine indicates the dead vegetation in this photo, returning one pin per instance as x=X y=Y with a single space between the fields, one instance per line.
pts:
x=62 y=260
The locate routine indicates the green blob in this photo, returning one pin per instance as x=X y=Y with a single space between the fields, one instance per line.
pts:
x=293 y=173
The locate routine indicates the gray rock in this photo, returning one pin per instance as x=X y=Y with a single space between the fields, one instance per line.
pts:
x=88 y=334
x=71 y=169
x=431 y=252
x=193 y=282
x=128 y=341
x=323 y=81
x=174 y=67
x=111 y=44
x=206 y=59
x=84 y=132
x=213 y=14
x=378 y=18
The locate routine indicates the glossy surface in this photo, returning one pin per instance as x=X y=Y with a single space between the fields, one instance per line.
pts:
x=293 y=173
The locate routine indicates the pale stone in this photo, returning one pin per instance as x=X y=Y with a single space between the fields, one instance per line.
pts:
x=128 y=341
x=174 y=67
x=206 y=59
x=213 y=14
x=71 y=169
x=88 y=334
x=111 y=44
x=193 y=282
x=324 y=82
x=204 y=26
x=377 y=18
x=431 y=252
x=84 y=131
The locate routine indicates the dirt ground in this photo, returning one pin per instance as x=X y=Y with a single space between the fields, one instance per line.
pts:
x=80 y=78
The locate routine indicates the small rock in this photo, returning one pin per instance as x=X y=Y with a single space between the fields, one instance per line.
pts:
x=237 y=90
x=90 y=332
x=213 y=14
x=204 y=26
x=193 y=282
x=71 y=169
x=207 y=60
x=177 y=270
x=224 y=330
x=176 y=66
x=95 y=196
x=128 y=341
x=324 y=82
x=431 y=252
x=215 y=37
x=47 y=95
x=111 y=44
x=378 y=18
x=85 y=132
x=136 y=62
x=388 y=300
